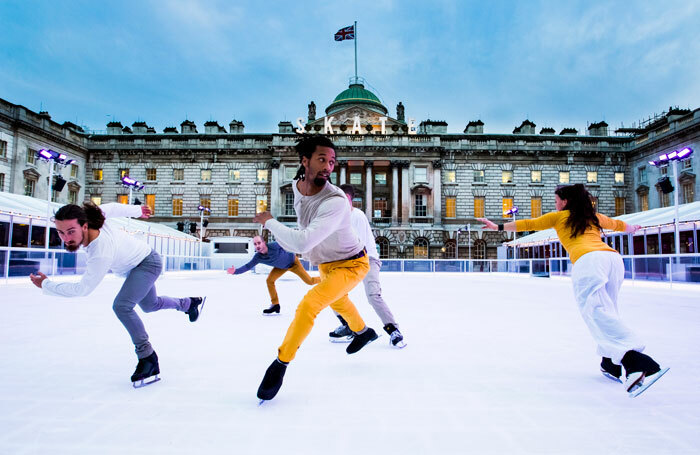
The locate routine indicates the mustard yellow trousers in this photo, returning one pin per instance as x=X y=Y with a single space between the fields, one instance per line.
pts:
x=275 y=273
x=337 y=279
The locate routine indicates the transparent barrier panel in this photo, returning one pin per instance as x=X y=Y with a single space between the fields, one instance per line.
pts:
x=449 y=266
x=389 y=265
x=417 y=266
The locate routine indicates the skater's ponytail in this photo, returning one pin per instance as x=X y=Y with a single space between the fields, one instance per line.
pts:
x=582 y=215
x=89 y=213
x=306 y=147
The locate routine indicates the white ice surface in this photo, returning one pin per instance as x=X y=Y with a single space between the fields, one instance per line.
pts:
x=494 y=365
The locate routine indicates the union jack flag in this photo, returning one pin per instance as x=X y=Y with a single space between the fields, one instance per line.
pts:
x=345 y=33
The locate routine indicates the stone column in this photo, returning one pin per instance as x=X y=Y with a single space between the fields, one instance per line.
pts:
x=343 y=168
x=394 y=193
x=368 y=189
x=275 y=189
x=437 y=192
x=405 y=194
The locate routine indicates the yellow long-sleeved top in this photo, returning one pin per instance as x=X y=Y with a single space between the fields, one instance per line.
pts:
x=575 y=246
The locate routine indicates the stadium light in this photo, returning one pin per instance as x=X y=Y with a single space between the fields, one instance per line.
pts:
x=132 y=184
x=52 y=158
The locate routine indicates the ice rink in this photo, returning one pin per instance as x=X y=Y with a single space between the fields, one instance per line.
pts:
x=495 y=364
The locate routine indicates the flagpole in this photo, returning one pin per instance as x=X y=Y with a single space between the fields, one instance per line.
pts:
x=355 y=51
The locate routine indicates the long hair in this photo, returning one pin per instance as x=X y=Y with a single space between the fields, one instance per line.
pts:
x=306 y=147
x=582 y=215
x=89 y=213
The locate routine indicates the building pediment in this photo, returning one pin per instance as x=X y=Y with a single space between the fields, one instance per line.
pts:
x=642 y=190
x=31 y=174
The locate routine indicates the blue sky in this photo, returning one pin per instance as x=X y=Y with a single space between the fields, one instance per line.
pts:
x=557 y=63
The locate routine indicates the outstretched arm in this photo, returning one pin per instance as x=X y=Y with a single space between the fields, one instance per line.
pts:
x=95 y=270
x=491 y=226
x=244 y=268
x=115 y=210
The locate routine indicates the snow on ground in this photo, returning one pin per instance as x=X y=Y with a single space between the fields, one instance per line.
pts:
x=494 y=364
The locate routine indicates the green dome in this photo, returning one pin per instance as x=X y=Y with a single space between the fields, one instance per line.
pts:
x=356 y=94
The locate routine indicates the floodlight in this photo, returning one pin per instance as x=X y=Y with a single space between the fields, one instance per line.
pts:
x=133 y=183
x=201 y=208
x=685 y=153
x=673 y=155
x=663 y=157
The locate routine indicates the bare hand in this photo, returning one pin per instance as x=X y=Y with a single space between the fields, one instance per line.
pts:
x=632 y=228
x=262 y=217
x=37 y=279
x=146 y=211
x=490 y=225
x=231 y=270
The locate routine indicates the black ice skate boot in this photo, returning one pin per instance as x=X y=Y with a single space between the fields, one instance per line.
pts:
x=272 y=311
x=641 y=371
x=194 y=309
x=272 y=381
x=610 y=370
x=146 y=372
x=396 y=339
x=360 y=340
x=342 y=334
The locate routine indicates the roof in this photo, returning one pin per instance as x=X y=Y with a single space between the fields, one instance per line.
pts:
x=356 y=94
x=650 y=218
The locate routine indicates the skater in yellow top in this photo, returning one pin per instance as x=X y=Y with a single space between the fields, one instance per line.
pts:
x=597 y=276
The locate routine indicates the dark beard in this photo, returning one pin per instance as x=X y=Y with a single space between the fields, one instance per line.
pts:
x=72 y=248
x=320 y=181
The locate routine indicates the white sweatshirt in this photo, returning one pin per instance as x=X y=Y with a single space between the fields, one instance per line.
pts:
x=363 y=230
x=113 y=250
x=325 y=233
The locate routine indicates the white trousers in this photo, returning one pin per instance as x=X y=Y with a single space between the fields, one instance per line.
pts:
x=597 y=277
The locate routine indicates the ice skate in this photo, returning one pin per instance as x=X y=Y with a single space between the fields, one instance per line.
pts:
x=646 y=382
x=274 y=310
x=146 y=372
x=195 y=309
x=610 y=370
x=342 y=334
x=396 y=339
x=272 y=381
x=360 y=340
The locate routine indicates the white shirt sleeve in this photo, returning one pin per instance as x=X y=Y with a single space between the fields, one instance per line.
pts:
x=116 y=210
x=95 y=270
x=328 y=218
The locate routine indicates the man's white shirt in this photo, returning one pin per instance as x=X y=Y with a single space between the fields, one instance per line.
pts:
x=360 y=224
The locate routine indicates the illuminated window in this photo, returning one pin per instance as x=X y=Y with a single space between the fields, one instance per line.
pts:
x=232 y=206
x=619 y=177
x=479 y=176
x=151 y=202
x=536 y=176
x=205 y=202
x=260 y=204
x=234 y=175
x=507 y=205
x=420 y=248
x=592 y=177
x=420 y=174
x=356 y=178
x=479 y=203
x=450 y=177
x=74 y=171
x=594 y=202
x=451 y=207
x=205 y=175
x=619 y=206
x=97 y=175
x=97 y=200
x=178 y=174
x=506 y=176
x=123 y=173
x=421 y=209
x=177 y=206
x=123 y=198
x=535 y=207
x=564 y=177
x=262 y=175
x=151 y=174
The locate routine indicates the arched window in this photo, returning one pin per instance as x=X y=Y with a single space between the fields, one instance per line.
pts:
x=420 y=248
x=479 y=251
x=383 y=247
x=450 y=249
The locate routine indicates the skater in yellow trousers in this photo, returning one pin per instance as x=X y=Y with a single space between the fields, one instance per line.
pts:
x=326 y=238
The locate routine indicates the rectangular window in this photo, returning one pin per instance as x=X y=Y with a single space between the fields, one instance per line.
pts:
x=451 y=207
x=151 y=174
x=234 y=175
x=260 y=204
x=642 y=174
x=123 y=198
x=664 y=199
x=381 y=208
x=178 y=175
x=421 y=209
x=177 y=206
x=205 y=201
x=54 y=195
x=592 y=177
x=643 y=202
x=289 y=204
x=479 y=203
x=535 y=207
x=73 y=171
x=380 y=178
x=2 y=182
x=97 y=200
x=262 y=175
x=507 y=205
x=687 y=164
x=31 y=156
x=536 y=176
x=356 y=178
x=620 y=206
x=3 y=149
x=450 y=176
x=688 y=192
x=594 y=201
x=420 y=174
x=29 y=187
x=123 y=173
x=205 y=175
x=334 y=178
x=72 y=197
x=232 y=206
x=506 y=176
x=479 y=176
x=151 y=202
x=357 y=203
x=619 y=178
x=97 y=175
x=564 y=177
x=663 y=170
x=290 y=172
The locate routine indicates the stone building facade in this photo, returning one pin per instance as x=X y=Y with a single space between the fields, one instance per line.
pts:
x=417 y=184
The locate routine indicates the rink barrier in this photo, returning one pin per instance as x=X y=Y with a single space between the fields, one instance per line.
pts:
x=683 y=268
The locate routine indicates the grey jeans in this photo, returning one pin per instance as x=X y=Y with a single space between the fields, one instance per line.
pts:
x=139 y=289
x=373 y=290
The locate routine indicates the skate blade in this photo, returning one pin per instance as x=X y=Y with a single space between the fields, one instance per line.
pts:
x=648 y=382
x=271 y=314
x=347 y=339
x=610 y=376
x=146 y=381
x=400 y=345
x=261 y=402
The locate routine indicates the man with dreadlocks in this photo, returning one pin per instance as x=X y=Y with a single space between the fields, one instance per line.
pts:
x=325 y=236
x=110 y=248
x=597 y=276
